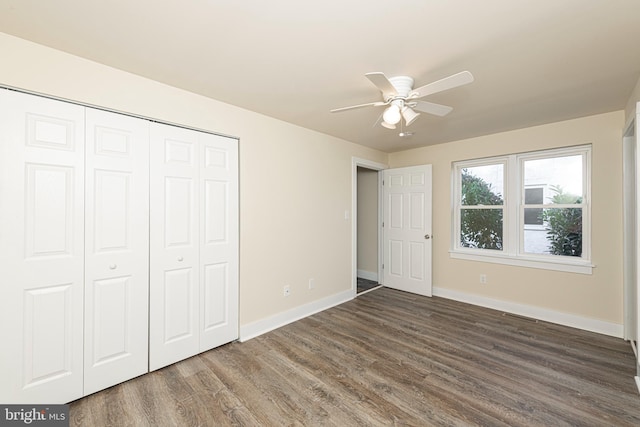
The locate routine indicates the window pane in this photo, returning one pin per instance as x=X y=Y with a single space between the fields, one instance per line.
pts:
x=481 y=228
x=533 y=196
x=533 y=216
x=482 y=185
x=562 y=234
x=560 y=177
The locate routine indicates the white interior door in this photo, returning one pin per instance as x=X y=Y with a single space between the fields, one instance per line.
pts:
x=218 y=240
x=116 y=249
x=41 y=249
x=174 y=245
x=407 y=233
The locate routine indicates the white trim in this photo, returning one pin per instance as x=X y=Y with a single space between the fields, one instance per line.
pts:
x=369 y=275
x=380 y=228
x=369 y=164
x=520 y=261
x=637 y=382
x=630 y=236
x=369 y=290
x=546 y=315
x=276 y=321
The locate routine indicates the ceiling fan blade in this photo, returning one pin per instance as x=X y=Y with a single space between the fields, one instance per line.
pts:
x=431 y=108
x=382 y=82
x=459 y=79
x=378 y=121
x=353 y=107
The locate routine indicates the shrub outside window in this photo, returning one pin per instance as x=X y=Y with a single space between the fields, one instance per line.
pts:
x=528 y=209
x=482 y=206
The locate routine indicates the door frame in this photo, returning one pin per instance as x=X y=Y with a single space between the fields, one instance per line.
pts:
x=369 y=164
x=631 y=224
x=630 y=260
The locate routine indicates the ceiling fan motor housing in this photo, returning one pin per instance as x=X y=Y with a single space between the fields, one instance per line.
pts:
x=403 y=85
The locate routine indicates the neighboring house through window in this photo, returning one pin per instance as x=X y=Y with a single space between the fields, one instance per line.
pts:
x=533 y=196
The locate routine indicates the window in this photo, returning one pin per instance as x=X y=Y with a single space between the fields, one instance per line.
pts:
x=528 y=209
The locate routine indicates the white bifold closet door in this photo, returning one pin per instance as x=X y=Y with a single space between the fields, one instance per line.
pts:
x=41 y=249
x=74 y=249
x=194 y=243
x=116 y=249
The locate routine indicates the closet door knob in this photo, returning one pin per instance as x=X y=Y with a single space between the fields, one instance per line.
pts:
x=180 y=259
x=112 y=267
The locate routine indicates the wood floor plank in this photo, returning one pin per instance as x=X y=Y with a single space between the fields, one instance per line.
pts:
x=388 y=358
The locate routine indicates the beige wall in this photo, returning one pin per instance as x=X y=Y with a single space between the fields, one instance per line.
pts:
x=597 y=296
x=368 y=220
x=295 y=184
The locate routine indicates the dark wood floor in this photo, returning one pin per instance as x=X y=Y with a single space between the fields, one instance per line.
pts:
x=363 y=285
x=388 y=358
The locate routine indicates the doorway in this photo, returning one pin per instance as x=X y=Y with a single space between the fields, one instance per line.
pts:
x=367 y=230
x=367 y=214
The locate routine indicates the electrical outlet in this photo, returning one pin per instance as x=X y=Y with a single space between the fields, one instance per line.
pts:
x=483 y=279
x=312 y=284
x=287 y=291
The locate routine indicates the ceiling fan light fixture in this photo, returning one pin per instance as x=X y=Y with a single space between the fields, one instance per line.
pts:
x=409 y=115
x=392 y=115
x=401 y=98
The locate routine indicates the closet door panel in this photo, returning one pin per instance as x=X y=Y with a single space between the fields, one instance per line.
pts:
x=179 y=295
x=174 y=268
x=41 y=249
x=117 y=247
x=218 y=241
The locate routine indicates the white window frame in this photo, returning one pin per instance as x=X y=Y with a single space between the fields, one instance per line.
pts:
x=512 y=252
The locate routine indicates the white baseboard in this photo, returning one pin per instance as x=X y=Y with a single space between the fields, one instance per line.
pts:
x=263 y=326
x=369 y=275
x=260 y=327
x=637 y=382
x=572 y=320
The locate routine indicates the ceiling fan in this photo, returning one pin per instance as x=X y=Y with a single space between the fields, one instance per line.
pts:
x=402 y=100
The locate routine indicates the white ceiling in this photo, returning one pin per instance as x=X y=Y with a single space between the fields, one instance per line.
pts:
x=534 y=61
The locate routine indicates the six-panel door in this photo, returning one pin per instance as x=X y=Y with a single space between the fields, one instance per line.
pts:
x=174 y=268
x=41 y=249
x=194 y=243
x=218 y=241
x=407 y=229
x=116 y=249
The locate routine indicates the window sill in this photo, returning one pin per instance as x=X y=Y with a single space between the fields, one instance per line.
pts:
x=581 y=267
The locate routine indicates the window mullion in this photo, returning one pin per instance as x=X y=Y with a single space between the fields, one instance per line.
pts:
x=512 y=205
